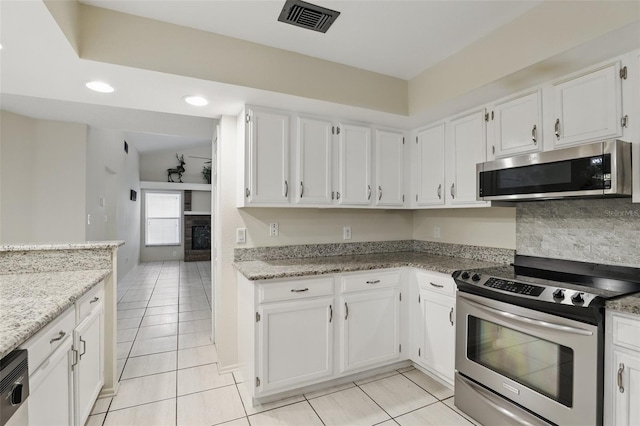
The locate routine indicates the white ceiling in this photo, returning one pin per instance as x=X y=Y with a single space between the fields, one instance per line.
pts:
x=395 y=37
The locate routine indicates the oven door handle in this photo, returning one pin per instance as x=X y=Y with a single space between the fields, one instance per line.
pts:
x=531 y=321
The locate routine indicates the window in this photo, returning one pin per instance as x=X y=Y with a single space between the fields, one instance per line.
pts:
x=163 y=218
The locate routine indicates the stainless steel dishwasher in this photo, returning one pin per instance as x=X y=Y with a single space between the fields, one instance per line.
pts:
x=14 y=389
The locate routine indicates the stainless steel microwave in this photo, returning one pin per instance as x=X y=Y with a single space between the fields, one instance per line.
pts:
x=601 y=169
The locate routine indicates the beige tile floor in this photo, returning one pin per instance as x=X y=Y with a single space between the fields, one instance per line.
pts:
x=169 y=375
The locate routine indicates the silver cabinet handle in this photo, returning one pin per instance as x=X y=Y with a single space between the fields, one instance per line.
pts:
x=286 y=188
x=333 y=195
x=620 y=371
x=373 y=282
x=346 y=310
x=379 y=193
x=337 y=195
x=437 y=285
x=301 y=189
x=534 y=135
x=557 y=128
x=293 y=290
x=246 y=192
x=94 y=300
x=451 y=316
x=61 y=334
x=330 y=313
x=369 y=192
x=453 y=186
x=84 y=347
x=75 y=358
x=440 y=192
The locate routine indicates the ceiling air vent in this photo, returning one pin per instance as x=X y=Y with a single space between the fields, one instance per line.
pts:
x=307 y=15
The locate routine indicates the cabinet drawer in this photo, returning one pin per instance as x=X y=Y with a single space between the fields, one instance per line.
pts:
x=626 y=332
x=439 y=283
x=295 y=289
x=370 y=281
x=89 y=301
x=47 y=340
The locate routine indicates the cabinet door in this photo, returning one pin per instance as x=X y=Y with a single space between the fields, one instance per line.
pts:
x=626 y=409
x=589 y=107
x=268 y=153
x=438 y=352
x=517 y=126
x=295 y=343
x=465 y=148
x=89 y=371
x=313 y=185
x=370 y=328
x=51 y=389
x=389 y=168
x=354 y=150
x=430 y=156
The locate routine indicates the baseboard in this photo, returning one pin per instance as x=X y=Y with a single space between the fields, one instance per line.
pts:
x=228 y=368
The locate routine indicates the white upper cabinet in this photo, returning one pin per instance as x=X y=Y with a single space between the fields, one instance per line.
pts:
x=267 y=157
x=465 y=148
x=314 y=160
x=516 y=125
x=588 y=108
x=354 y=173
x=389 y=168
x=430 y=166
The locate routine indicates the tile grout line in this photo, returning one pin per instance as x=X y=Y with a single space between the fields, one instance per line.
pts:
x=314 y=410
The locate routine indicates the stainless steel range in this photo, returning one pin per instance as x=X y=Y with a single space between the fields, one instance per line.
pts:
x=530 y=340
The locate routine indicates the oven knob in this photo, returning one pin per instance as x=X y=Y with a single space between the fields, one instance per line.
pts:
x=465 y=275
x=577 y=299
x=558 y=294
x=475 y=277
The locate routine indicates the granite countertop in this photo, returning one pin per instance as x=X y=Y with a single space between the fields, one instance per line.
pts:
x=28 y=302
x=62 y=246
x=628 y=304
x=286 y=268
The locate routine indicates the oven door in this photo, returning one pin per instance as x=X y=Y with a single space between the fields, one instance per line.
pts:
x=547 y=364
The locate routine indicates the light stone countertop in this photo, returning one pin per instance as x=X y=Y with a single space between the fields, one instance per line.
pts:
x=287 y=268
x=255 y=270
x=28 y=302
x=62 y=246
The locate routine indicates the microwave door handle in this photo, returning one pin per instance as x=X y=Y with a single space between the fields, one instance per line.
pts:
x=531 y=321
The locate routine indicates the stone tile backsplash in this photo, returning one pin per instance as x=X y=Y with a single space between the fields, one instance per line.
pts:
x=601 y=231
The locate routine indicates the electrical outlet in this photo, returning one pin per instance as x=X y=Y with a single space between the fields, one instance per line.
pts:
x=241 y=235
x=436 y=232
x=346 y=233
x=273 y=229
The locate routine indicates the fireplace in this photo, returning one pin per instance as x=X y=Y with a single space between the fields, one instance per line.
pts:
x=201 y=237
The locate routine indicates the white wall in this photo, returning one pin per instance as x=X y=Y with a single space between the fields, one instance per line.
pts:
x=154 y=165
x=491 y=227
x=43 y=180
x=111 y=174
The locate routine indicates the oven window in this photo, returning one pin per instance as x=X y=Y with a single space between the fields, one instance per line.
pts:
x=543 y=366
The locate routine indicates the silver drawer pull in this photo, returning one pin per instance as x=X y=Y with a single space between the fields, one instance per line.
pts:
x=293 y=290
x=620 y=371
x=373 y=282
x=436 y=285
x=61 y=334
x=94 y=300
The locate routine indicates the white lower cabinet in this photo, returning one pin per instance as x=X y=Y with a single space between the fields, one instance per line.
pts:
x=89 y=369
x=66 y=360
x=434 y=322
x=622 y=369
x=295 y=343
x=51 y=389
x=370 y=328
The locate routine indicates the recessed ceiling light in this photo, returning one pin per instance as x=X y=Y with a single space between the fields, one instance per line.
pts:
x=100 y=86
x=196 y=100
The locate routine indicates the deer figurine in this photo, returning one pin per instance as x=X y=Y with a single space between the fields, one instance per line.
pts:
x=178 y=170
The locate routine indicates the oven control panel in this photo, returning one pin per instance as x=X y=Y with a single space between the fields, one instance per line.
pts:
x=543 y=293
x=514 y=287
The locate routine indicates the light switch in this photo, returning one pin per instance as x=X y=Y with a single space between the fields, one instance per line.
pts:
x=346 y=233
x=241 y=235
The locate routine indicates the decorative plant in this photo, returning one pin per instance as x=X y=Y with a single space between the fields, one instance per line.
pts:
x=206 y=173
